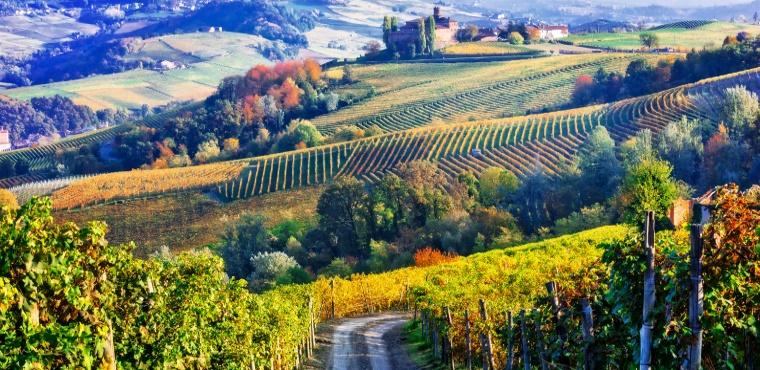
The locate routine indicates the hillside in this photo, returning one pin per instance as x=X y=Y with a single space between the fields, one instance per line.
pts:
x=681 y=36
x=207 y=58
x=414 y=95
x=518 y=144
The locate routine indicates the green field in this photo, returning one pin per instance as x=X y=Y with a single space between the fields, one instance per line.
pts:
x=209 y=58
x=682 y=36
x=485 y=48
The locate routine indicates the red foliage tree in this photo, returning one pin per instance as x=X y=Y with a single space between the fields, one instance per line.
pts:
x=429 y=257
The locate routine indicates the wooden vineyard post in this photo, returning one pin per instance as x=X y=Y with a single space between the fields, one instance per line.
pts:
x=485 y=339
x=467 y=340
x=449 y=340
x=433 y=323
x=696 y=299
x=310 y=340
x=510 y=342
x=551 y=288
x=588 y=335
x=332 y=298
x=540 y=340
x=645 y=357
x=110 y=352
x=524 y=344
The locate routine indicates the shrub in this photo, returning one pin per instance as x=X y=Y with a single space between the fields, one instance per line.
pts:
x=430 y=257
x=8 y=199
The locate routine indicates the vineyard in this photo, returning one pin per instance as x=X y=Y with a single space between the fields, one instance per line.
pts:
x=686 y=25
x=142 y=183
x=485 y=48
x=42 y=158
x=519 y=144
x=465 y=91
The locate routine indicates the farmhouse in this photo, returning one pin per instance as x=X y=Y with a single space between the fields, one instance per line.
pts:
x=5 y=140
x=445 y=31
x=550 y=32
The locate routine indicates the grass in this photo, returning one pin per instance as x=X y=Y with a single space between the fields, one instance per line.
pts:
x=209 y=56
x=679 y=38
x=420 y=351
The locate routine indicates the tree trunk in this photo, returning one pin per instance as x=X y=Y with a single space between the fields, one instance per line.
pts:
x=645 y=357
x=696 y=298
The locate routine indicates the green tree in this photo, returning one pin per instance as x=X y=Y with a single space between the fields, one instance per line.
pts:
x=242 y=240
x=680 y=143
x=599 y=168
x=496 y=185
x=515 y=38
x=647 y=186
x=387 y=31
x=422 y=40
x=343 y=212
x=7 y=168
x=430 y=33
x=739 y=111
x=392 y=203
x=650 y=40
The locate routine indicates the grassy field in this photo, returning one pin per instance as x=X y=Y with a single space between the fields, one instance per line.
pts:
x=485 y=48
x=417 y=94
x=680 y=36
x=23 y=35
x=190 y=220
x=210 y=57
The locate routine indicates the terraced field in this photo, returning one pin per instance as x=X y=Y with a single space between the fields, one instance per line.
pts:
x=520 y=144
x=419 y=95
x=42 y=158
x=485 y=48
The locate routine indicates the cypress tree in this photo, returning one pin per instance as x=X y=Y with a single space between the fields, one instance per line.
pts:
x=431 y=34
x=386 y=31
x=422 y=38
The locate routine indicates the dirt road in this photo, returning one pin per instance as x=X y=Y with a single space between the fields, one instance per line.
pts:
x=370 y=342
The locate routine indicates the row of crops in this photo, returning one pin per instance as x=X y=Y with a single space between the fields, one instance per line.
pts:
x=520 y=144
x=687 y=25
x=491 y=99
x=144 y=183
x=42 y=158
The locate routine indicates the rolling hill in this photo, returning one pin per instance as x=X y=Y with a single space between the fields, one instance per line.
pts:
x=520 y=144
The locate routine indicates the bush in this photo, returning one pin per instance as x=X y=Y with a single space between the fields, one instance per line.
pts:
x=430 y=257
x=588 y=217
x=515 y=38
x=8 y=199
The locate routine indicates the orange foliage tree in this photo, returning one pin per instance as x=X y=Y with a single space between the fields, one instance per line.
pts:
x=429 y=257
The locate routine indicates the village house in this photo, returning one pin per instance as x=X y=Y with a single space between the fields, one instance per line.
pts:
x=5 y=140
x=551 y=32
x=445 y=31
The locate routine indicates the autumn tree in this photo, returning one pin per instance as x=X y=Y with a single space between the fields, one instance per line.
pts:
x=8 y=199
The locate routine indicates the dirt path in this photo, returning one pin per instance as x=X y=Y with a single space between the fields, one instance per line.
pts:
x=369 y=342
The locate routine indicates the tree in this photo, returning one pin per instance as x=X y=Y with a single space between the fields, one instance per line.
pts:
x=348 y=74
x=343 y=213
x=515 y=38
x=386 y=31
x=422 y=40
x=207 y=151
x=427 y=188
x=268 y=267
x=739 y=111
x=8 y=199
x=583 y=90
x=533 y=34
x=530 y=201
x=430 y=33
x=496 y=186
x=22 y=166
x=680 y=143
x=599 y=166
x=639 y=77
x=647 y=186
x=650 y=40
x=241 y=241
x=7 y=168
x=337 y=268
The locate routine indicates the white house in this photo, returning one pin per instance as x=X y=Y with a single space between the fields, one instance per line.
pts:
x=5 y=140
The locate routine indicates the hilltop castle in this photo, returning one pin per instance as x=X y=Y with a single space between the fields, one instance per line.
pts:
x=445 y=31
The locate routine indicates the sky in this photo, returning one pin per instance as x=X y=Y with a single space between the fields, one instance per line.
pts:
x=674 y=3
